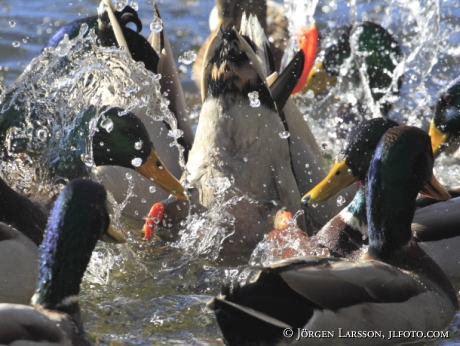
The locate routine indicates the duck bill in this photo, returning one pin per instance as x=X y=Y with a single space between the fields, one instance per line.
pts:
x=437 y=138
x=435 y=190
x=319 y=80
x=116 y=26
x=112 y=235
x=307 y=40
x=339 y=177
x=155 y=170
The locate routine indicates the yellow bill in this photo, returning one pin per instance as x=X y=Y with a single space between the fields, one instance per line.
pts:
x=434 y=189
x=154 y=169
x=339 y=177
x=319 y=80
x=437 y=138
x=112 y=235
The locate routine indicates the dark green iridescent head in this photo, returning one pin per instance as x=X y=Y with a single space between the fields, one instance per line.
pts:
x=373 y=46
x=401 y=166
x=78 y=219
x=361 y=144
x=115 y=143
x=447 y=114
x=127 y=139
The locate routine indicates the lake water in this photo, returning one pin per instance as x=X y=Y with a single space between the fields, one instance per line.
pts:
x=136 y=294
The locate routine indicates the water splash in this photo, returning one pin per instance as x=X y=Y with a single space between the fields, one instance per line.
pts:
x=51 y=112
x=287 y=241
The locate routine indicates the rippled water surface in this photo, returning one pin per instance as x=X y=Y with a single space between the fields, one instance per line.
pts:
x=147 y=293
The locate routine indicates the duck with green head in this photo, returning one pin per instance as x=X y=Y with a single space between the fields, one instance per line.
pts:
x=78 y=219
x=120 y=139
x=22 y=224
x=445 y=124
x=346 y=234
x=369 y=54
x=393 y=286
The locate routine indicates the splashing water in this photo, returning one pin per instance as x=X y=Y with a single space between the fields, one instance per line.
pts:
x=63 y=92
x=286 y=242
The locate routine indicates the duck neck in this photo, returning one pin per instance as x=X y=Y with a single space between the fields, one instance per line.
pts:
x=390 y=211
x=64 y=255
x=357 y=207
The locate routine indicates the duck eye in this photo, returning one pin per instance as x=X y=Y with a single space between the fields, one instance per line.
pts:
x=127 y=132
x=337 y=173
x=447 y=98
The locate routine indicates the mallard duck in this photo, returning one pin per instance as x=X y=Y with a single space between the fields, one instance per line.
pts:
x=445 y=124
x=346 y=233
x=22 y=224
x=364 y=58
x=78 y=219
x=392 y=286
x=235 y=140
x=69 y=165
x=119 y=140
x=111 y=28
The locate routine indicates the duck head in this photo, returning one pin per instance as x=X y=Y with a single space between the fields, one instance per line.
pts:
x=445 y=125
x=126 y=143
x=370 y=45
x=401 y=166
x=352 y=163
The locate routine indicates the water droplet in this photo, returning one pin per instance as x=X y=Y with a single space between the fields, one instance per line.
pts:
x=307 y=165
x=143 y=200
x=107 y=124
x=157 y=25
x=12 y=23
x=16 y=44
x=136 y=162
x=138 y=145
x=129 y=176
x=310 y=172
x=73 y=148
x=285 y=134
x=136 y=212
x=87 y=160
x=188 y=57
x=341 y=201
x=42 y=134
x=152 y=189
x=219 y=185
x=134 y=5
x=245 y=159
x=101 y=144
x=175 y=133
x=120 y=5
x=254 y=99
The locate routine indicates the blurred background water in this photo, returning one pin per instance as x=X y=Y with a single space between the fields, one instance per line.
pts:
x=131 y=296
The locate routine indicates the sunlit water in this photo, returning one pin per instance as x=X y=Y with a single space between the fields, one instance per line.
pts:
x=155 y=293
